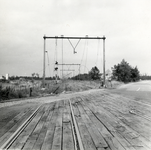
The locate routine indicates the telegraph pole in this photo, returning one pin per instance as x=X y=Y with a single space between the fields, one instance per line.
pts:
x=104 y=76
x=44 y=62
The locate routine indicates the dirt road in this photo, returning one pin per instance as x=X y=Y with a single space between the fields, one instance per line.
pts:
x=104 y=118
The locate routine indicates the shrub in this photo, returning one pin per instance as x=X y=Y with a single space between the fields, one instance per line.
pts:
x=10 y=93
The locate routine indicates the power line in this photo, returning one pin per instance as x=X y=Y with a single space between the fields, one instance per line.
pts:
x=86 y=54
x=97 y=52
x=48 y=63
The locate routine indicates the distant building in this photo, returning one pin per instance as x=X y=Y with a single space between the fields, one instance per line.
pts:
x=108 y=74
x=1 y=77
x=7 y=76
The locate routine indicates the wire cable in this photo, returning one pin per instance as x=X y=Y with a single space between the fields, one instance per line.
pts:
x=83 y=52
x=86 y=55
x=48 y=63
x=98 y=47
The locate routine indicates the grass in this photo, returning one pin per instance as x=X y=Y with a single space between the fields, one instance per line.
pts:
x=15 y=91
x=10 y=93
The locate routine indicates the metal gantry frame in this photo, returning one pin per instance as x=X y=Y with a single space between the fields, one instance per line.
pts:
x=69 y=37
x=69 y=65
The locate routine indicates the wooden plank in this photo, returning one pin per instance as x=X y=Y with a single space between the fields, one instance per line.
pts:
x=47 y=143
x=60 y=110
x=141 y=109
x=56 y=145
x=136 y=123
x=15 y=126
x=116 y=123
x=76 y=110
x=85 y=136
x=134 y=119
x=12 y=122
x=134 y=128
x=114 y=144
x=107 y=125
x=77 y=136
x=66 y=112
x=50 y=134
x=95 y=134
x=43 y=131
x=40 y=130
x=20 y=141
x=105 y=132
x=57 y=140
x=68 y=142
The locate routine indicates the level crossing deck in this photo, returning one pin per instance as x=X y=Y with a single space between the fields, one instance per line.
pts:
x=83 y=122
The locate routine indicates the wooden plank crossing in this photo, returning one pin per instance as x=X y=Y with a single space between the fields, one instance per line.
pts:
x=102 y=125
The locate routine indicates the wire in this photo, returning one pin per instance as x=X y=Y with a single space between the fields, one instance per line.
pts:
x=56 y=64
x=86 y=55
x=48 y=63
x=83 y=52
x=56 y=51
x=55 y=59
x=98 y=47
x=83 y=55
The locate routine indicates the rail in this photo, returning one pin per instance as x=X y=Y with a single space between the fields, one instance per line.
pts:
x=14 y=136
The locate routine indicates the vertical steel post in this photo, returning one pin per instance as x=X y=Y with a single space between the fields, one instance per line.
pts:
x=44 y=62
x=104 y=61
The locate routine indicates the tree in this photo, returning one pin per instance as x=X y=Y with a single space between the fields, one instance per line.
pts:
x=125 y=73
x=33 y=75
x=37 y=75
x=84 y=76
x=135 y=74
x=94 y=73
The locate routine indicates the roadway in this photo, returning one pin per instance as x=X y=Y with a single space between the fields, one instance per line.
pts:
x=137 y=86
x=139 y=91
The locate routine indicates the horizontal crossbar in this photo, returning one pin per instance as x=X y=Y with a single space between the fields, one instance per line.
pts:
x=68 y=64
x=67 y=70
x=69 y=37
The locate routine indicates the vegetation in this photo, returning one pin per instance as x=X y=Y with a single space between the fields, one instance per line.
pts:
x=94 y=74
x=33 y=89
x=125 y=73
x=10 y=93
x=145 y=77
x=84 y=76
x=12 y=78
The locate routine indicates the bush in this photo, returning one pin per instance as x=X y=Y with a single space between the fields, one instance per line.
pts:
x=10 y=93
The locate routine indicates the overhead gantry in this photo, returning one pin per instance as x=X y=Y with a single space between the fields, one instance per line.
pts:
x=74 y=47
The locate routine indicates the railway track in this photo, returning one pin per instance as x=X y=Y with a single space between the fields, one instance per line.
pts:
x=77 y=138
x=74 y=127
x=12 y=138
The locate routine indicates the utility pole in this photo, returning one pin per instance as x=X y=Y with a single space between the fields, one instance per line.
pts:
x=44 y=63
x=104 y=76
x=62 y=57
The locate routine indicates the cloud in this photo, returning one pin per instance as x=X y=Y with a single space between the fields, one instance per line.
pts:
x=126 y=24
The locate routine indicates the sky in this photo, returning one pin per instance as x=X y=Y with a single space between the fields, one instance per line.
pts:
x=23 y=23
